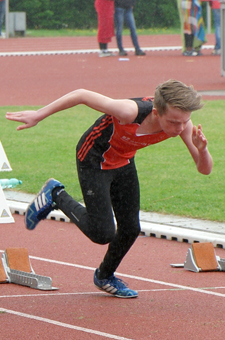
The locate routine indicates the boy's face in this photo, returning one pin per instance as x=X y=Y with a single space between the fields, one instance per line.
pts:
x=174 y=121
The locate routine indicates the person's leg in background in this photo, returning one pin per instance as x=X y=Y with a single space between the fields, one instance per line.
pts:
x=2 y=14
x=119 y=20
x=217 y=25
x=130 y=21
x=188 y=40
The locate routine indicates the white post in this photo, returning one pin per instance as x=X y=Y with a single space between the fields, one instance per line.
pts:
x=208 y=18
x=222 y=37
x=7 y=19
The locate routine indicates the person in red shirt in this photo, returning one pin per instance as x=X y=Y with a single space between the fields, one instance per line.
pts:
x=106 y=166
x=105 y=12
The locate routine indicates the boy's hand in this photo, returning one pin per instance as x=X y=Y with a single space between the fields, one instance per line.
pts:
x=198 y=138
x=26 y=117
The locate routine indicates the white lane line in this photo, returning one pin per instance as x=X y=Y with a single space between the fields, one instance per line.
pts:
x=88 y=51
x=135 y=277
x=90 y=331
x=99 y=293
x=62 y=324
x=50 y=294
x=197 y=290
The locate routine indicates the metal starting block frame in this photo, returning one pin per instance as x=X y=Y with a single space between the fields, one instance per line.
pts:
x=31 y=279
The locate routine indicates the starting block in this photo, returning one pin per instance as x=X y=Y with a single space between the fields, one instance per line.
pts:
x=15 y=267
x=201 y=257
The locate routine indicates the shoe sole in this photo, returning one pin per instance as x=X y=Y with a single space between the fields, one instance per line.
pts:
x=119 y=296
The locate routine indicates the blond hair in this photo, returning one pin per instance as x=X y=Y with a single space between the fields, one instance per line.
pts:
x=178 y=95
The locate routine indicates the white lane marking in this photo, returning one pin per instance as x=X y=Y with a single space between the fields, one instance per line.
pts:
x=86 y=51
x=90 y=331
x=197 y=290
x=62 y=324
x=99 y=293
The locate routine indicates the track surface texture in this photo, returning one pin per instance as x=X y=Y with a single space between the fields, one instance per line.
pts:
x=173 y=303
x=38 y=79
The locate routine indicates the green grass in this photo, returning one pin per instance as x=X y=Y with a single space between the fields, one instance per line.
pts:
x=93 y=32
x=168 y=178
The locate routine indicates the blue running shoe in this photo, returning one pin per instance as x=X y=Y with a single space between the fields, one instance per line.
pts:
x=114 y=286
x=42 y=205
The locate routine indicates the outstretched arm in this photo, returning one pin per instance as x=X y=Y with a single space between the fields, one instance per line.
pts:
x=196 y=143
x=125 y=110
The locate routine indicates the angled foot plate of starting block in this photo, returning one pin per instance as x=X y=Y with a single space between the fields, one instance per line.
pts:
x=201 y=257
x=18 y=270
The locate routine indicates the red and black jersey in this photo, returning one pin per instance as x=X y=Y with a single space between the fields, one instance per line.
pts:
x=107 y=144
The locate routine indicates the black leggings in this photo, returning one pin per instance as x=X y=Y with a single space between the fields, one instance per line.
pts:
x=105 y=192
x=189 y=39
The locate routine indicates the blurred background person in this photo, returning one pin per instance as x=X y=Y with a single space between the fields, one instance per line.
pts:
x=2 y=14
x=215 y=5
x=124 y=11
x=192 y=26
x=105 y=12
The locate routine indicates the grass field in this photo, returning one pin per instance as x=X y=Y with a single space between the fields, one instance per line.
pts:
x=93 y=32
x=168 y=178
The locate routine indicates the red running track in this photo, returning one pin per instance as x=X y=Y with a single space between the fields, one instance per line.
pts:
x=37 y=80
x=172 y=303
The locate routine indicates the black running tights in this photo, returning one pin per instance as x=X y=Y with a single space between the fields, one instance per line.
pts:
x=105 y=192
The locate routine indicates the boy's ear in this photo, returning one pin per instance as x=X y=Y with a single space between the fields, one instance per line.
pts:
x=155 y=112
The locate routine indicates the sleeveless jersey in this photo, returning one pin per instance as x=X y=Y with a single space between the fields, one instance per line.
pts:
x=107 y=144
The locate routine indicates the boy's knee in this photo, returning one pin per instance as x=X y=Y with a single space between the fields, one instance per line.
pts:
x=103 y=237
x=103 y=233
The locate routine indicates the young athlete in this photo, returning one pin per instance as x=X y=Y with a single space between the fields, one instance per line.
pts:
x=106 y=167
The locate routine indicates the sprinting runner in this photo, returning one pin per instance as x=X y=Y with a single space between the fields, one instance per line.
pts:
x=106 y=167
